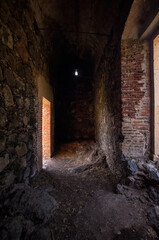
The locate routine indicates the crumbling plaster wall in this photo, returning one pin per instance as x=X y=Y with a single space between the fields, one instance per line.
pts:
x=137 y=82
x=135 y=98
x=22 y=60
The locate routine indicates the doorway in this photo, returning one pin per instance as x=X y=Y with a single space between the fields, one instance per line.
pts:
x=156 y=93
x=46 y=129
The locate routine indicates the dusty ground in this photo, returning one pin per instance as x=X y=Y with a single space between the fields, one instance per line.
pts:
x=89 y=206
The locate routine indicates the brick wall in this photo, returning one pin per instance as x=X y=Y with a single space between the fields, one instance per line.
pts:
x=135 y=99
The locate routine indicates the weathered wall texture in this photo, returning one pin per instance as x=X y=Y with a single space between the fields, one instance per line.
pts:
x=108 y=107
x=108 y=95
x=25 y=58
x=135 y=99
x=22 y=58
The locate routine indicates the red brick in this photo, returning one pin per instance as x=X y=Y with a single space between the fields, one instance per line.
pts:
x=135 y=98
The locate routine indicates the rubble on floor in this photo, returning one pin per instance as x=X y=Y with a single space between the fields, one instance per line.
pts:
x=76 y=197
x=24 y=208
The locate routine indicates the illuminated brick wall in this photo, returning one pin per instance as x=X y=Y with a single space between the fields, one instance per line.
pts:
x=46 y=128
x=135 y=99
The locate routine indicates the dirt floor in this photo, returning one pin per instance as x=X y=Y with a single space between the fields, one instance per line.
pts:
x=91 y=205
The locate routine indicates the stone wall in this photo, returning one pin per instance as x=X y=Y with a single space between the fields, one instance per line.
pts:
x=135 y=99
x=108 y=107
x=22 y=58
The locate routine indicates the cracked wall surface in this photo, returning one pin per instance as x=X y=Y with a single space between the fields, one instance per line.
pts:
x=135 y=98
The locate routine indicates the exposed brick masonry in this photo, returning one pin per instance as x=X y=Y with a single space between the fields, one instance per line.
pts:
x=135 y=99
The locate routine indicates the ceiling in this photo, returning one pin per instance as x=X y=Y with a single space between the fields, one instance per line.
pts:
x=89 y=24
x=142 y=14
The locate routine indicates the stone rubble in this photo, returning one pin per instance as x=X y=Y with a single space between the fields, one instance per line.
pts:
x=23 y=210
x=143 y=177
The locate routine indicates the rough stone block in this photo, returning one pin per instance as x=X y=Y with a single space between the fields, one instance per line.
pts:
x=8 y=97
x=23 y=162
x=22 y=51
x=132 y=166
x=153 y=216
x=7 y=38
x=25 y=120
x=21 y=149
x=9 y=178
x=34 y=204
x=4 y=161
x=154 y=174
x=3 y=117
x=2 y=143
x=1 y=75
